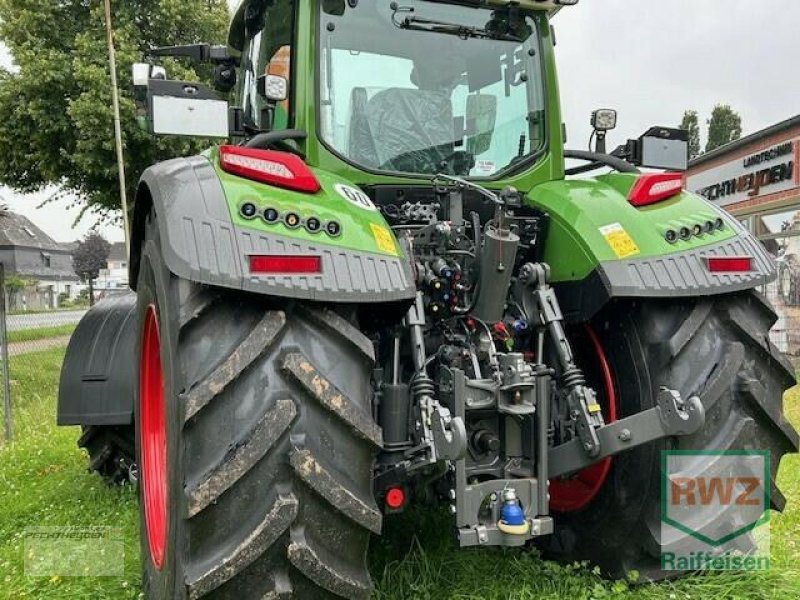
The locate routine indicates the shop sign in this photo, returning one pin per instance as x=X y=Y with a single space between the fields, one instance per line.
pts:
x=765 y=172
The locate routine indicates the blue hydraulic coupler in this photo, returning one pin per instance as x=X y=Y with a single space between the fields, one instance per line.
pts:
x=512 y=517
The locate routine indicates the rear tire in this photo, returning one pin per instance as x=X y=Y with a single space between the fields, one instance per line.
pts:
x=270 y=444
x=717 y=348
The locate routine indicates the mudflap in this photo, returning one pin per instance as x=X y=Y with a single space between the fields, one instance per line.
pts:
x=100 y=368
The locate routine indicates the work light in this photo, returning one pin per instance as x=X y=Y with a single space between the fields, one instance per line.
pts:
x=604 y=119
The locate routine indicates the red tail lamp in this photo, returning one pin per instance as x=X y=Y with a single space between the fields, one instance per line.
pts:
x=285 y=264
x=395 y=498
x=655 y=187
x=729 y=264
x=268 y=166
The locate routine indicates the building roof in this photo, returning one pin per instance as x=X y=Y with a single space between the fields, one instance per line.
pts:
x=117 y=252
x=746 y=141
x=17 y=230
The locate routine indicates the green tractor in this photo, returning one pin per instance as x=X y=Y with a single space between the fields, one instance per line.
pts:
x=383 y=289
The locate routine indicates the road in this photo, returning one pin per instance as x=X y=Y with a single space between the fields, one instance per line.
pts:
x=47 y=319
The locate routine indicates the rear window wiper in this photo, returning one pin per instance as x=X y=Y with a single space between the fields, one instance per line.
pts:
x=415 y=23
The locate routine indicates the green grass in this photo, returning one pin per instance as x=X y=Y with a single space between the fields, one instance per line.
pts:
x=43 y=482
x=40 y=333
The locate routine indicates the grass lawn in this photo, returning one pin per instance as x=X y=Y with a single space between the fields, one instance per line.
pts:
x=40 y=333
x=43 y=482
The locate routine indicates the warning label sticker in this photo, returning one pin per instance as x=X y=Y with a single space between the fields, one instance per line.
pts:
x=383 y=239
x=621 y=243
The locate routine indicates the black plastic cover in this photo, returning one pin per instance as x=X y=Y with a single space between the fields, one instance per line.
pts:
x=99 y=373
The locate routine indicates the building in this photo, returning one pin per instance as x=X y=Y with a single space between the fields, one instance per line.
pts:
x=115 y=275
x=44 y=265
x=757 y=180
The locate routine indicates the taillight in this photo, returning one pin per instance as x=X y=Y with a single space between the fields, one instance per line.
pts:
x=395 y=498
x=285 y=264
x=655 y=187
x=729 y=264
x=269 y=166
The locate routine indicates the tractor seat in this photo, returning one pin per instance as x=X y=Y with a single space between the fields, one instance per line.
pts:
x=401 y=129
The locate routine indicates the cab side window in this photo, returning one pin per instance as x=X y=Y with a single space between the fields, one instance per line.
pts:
x=269 y=38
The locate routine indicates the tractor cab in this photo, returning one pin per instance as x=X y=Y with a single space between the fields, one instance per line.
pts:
x=388 y=89
x=415 y=88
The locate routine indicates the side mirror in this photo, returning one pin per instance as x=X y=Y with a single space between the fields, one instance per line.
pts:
x=182 y=108
x=177 y=107
x=167 y=107
x=481 y=118
x=661 y=148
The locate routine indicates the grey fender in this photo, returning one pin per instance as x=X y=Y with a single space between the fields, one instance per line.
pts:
x=682 y=274
x=200 y=243
x=98 y=377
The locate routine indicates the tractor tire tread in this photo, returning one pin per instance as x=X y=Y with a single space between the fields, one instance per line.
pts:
x=717 y=348
x=308 y=451
x=257 y=341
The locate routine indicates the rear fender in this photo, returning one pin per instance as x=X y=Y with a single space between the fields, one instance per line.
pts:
x=206 y=239
x=98 y=377
x=600 y=247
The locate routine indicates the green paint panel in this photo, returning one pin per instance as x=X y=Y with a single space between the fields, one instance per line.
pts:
x=362 y=229
x=582 y=210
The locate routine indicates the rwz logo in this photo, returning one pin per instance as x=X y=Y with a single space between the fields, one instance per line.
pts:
x=692 y=491
x=711 y=503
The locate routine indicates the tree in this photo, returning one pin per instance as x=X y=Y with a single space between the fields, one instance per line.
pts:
x=14 y=284
x=89 y=257
x=56 y=120
x=724 y=126
x=691 y=124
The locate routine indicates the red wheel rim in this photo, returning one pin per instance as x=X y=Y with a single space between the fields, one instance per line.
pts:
x=574 y=493
x=153 y=439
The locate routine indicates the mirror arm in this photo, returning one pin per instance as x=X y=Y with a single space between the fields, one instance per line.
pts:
x=196 y=52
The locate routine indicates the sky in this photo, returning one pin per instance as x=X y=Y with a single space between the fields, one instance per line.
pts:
x=649 y=59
